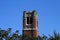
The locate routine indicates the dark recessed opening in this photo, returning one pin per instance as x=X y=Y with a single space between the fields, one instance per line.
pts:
x=29 y=20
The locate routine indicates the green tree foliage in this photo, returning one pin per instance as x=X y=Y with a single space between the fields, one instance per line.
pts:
x=8 y=35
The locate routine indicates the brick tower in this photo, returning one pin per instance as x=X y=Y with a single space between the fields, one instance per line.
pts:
x=30 y=24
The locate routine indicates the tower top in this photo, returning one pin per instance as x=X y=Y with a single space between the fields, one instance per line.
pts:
x=32 y=12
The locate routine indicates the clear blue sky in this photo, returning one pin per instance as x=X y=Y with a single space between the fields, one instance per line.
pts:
x=11 y=12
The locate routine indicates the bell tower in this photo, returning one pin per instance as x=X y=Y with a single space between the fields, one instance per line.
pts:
x=30 y=24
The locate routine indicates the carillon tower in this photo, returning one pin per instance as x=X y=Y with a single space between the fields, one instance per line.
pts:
x=30 y=23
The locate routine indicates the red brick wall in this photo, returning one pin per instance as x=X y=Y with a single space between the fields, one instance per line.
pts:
x=31 y=33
